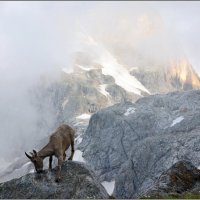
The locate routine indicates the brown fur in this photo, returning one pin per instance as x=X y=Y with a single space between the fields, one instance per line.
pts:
x=59 y=142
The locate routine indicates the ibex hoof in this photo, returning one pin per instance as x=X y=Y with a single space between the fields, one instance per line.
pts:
x=58 y=179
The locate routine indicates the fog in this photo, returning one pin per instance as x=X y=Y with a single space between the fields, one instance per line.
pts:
x=40 y=38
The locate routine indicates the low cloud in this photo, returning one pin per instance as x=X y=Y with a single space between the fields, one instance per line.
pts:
x=40 y=38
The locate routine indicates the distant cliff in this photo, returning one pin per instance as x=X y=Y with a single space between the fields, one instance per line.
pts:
x=177 y=75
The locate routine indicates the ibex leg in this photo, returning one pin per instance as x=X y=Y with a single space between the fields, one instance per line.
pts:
x=50 y=162
x=72 y=150
x=60 y=162
x=64 y=156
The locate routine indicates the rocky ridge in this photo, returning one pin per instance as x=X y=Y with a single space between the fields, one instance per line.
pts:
x=78 y=182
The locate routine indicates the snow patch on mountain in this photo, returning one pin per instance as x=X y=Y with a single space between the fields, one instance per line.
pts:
x=109 y=186
x=78 y=156
x=78 y=139
x=177 y=120
x=84 y=116
x=85 y=68
x=102 y=89
x=64 y=103
x=129 y=111
x=32 y=171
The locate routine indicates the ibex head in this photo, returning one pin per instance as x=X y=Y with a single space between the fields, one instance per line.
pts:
x=36 y=160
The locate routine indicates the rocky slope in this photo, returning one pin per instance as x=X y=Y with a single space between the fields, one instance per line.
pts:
x=133 y=143
x=78 y=182
x=81 y=92
x=181 y=179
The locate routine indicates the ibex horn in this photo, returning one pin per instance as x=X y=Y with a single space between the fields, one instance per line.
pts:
x=35 y=152
x=28 y=155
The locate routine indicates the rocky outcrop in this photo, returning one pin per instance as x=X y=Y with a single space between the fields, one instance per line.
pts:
x=178 y=75
x=182 y=177
x=79 y=92
x=78 y=182
x=133 y=143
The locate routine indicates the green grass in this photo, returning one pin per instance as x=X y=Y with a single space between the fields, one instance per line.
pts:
x=174 y=196
x=112 y=197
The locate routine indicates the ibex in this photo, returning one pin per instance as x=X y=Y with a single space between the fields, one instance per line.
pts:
x=59 y=142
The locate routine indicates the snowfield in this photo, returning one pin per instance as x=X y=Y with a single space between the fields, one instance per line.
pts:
x=121 y=74
x=111 y=67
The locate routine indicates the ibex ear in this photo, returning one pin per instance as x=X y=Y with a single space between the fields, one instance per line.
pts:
x=28 y=156
x=35 y=152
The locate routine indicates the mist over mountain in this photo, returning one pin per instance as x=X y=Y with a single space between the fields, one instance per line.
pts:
x=59 y=61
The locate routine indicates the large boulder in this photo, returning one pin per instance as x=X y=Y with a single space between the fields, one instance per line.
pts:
x=78 y=182
x=183 y=177
x=133 y=143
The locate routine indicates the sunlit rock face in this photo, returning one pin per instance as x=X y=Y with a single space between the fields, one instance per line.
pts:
x=183 y=71
x=177 y=75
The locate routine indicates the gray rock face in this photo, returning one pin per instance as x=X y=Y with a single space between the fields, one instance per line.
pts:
x=78 y=182
x=77 y=93
x=156 y=81
x=182 y=177
x=134 y=143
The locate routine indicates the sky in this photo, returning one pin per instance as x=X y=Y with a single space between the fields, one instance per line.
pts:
x=39 y=38
x=183 y=18
x=43 y=35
